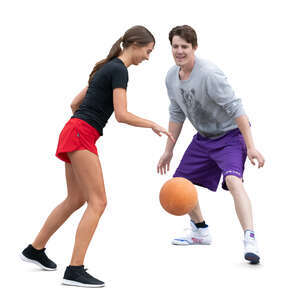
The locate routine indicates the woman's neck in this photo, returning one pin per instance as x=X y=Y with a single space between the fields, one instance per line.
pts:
x=125 y=58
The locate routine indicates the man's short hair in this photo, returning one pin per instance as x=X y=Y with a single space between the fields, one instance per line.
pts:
x=186 y=32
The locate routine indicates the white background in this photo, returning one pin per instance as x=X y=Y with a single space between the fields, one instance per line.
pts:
x=48 y=50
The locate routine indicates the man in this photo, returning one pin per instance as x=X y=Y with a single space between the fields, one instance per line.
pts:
x=199 y=90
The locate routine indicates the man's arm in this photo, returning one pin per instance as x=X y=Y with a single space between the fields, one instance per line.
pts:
x=177 y=118
x=243 y=124
x=164 y=162
x=175 y=128
x=221 y=92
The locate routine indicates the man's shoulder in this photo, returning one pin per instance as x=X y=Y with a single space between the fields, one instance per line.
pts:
x=172 y=73
x=206 y=67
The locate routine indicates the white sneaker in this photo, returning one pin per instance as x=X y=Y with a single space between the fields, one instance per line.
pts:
x=251 y=249
x=194 y=236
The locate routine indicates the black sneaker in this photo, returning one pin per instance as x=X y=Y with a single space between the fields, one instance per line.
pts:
x=77 y=276
x=38 y=257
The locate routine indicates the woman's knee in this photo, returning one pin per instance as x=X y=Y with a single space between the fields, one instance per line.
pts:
x=75 y=202
x=98 y=203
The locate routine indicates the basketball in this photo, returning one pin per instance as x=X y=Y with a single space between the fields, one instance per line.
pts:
x=178 y=196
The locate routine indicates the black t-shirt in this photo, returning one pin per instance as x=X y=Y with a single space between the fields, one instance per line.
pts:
x=97 y=106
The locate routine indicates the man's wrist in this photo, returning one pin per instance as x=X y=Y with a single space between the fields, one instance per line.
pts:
x=169 y=152
x=250 y=148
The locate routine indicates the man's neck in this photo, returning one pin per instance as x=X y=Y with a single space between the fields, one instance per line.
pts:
x=187 y=69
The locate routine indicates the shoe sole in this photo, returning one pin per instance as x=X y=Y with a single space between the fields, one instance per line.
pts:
x=252 y=258
x=189 y=244
x=76 y=283
x=24 y=258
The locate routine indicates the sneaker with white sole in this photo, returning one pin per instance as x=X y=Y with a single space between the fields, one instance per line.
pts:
x=194 y=236
x=38 y=257
x=251 y=252
x=78 y=276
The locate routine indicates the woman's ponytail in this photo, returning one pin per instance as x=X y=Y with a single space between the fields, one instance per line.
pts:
x=115 y=51
x=138 y=35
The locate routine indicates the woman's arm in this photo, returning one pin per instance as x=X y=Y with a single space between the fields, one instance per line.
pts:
x=123 y=116
x=243 y=124
x=78 y=100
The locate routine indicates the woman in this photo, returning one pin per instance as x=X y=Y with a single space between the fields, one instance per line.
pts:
x=92 y=108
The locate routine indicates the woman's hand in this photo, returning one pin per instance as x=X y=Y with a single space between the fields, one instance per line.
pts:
x=159 y=130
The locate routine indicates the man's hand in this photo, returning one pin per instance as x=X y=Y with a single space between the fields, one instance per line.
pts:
x=254 y=154
x=164 y=163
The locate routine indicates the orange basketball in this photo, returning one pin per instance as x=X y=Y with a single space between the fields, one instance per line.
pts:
x=178 y=196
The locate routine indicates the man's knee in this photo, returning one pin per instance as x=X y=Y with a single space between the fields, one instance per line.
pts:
x=233 y=181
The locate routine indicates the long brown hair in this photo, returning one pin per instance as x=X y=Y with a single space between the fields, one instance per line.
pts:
x=139 y=35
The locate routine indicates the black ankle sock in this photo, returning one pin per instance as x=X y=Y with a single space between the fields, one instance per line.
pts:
x=36 y=250
x=75 y=267
x=201 y=225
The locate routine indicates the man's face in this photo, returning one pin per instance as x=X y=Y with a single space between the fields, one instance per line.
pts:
x=183 y=52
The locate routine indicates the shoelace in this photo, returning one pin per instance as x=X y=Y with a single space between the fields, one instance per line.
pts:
x=84 y=271
x=42 y=252
x=188 y=232
x=189 y=229
x=251 y=245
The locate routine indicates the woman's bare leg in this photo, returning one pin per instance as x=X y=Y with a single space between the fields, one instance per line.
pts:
x=88 y=173
x=62 y=212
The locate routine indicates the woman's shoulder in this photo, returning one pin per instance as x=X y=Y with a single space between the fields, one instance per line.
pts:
x=116 y=65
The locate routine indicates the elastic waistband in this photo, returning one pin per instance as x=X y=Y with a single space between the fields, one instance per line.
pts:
x=230 y=132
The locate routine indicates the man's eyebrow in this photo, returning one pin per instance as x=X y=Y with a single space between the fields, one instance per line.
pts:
x=182 y=45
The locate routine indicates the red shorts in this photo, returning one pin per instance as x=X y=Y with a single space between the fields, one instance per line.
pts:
x=76 y=135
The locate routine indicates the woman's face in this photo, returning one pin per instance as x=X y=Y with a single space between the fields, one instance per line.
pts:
x=140 y=54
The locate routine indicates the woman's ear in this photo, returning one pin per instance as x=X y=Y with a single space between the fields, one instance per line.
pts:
x=134 y=45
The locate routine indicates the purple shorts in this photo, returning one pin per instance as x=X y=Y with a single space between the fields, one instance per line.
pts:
x=206 y=159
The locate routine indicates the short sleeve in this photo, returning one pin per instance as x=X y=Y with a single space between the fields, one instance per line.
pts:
x=119 y=77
